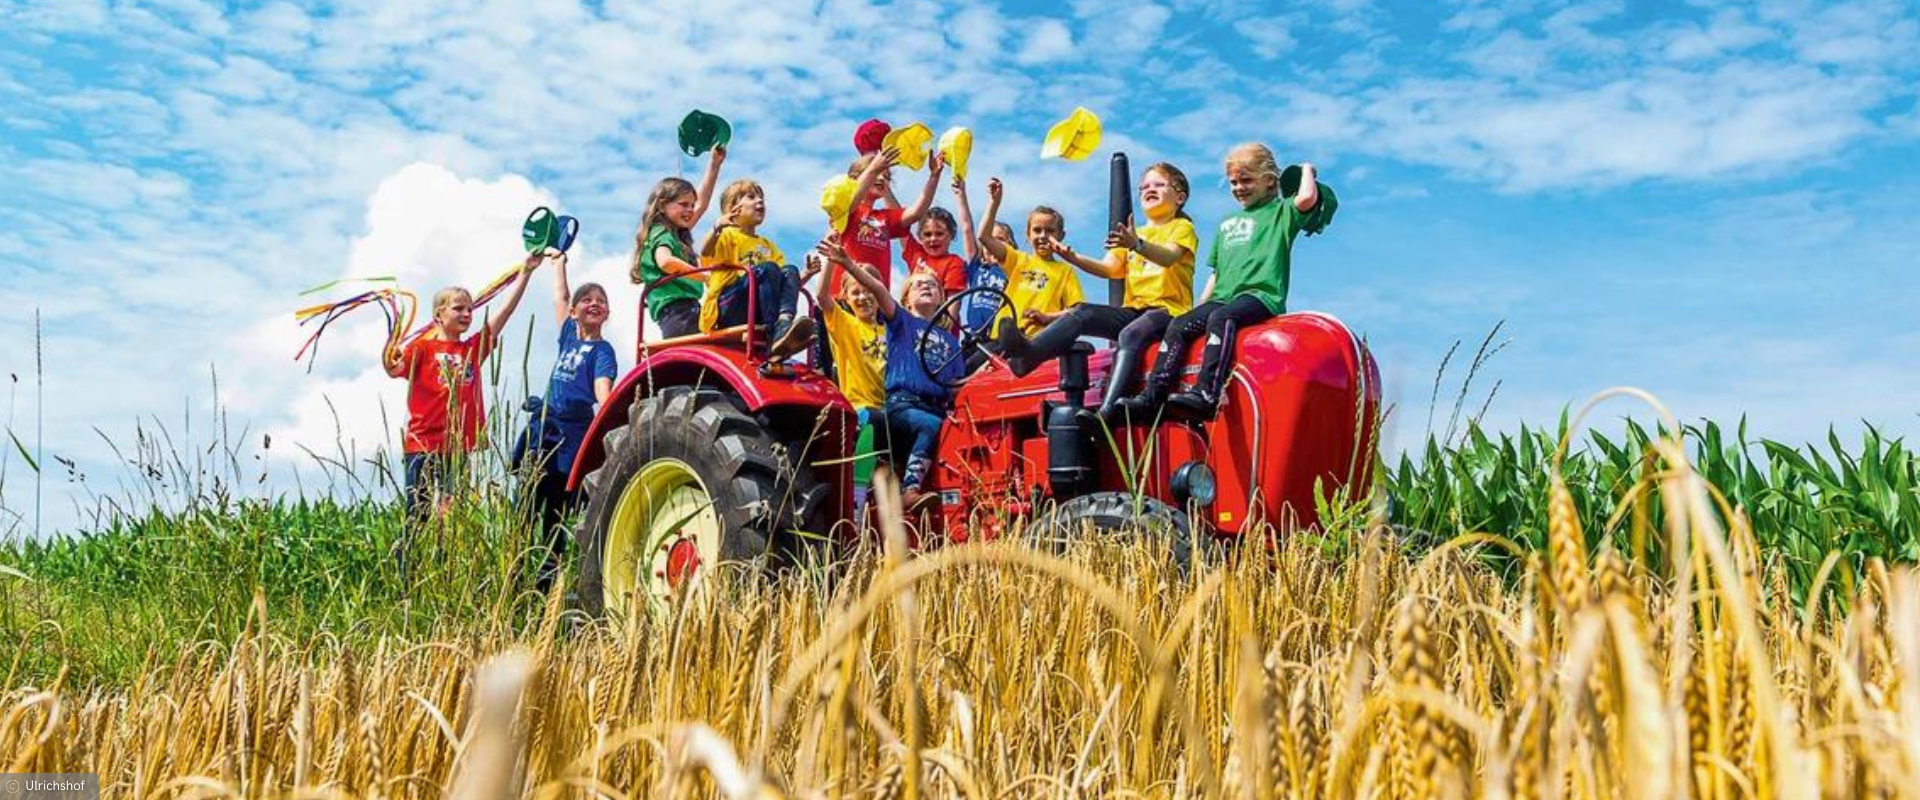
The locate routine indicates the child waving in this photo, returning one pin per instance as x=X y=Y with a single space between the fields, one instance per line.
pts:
x=1252 y=260
x=663 y=247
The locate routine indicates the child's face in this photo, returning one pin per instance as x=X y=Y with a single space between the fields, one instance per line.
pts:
x=1249 y=188
x=750 y=209
x=1003 y=234
x=680 y=210
x=592 y=309
x=924 y=295
x=881 y=183
x=935 y=236
x=860 y=300
x=456 y=316
x=1158 y=197
x=1043 y=230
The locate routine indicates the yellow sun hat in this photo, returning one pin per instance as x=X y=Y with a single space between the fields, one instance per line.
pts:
x=956 y=144
x=911 y=141
x=836 y=198
x=1073 y=138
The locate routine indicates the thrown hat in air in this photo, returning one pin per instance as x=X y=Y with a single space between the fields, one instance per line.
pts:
x=1073 y=138
x=911 y=141
x=956 y=145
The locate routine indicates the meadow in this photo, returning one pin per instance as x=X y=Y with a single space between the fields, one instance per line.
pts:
x=1666 y=612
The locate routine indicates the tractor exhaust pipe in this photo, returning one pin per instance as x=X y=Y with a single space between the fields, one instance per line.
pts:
x=1070 y=445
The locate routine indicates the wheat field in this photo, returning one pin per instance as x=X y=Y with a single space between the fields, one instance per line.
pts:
x=1307 y=670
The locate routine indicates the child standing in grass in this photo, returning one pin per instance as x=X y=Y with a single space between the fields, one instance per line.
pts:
x=735 y=241
x=1252 y=260
x=663 y=248
x=917 y=404
x=582 y=378
x=1040 y=287
x=445 y=414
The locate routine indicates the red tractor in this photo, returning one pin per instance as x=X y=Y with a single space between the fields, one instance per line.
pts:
x=698 y=459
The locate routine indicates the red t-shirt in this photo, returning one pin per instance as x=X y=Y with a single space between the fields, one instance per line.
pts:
x=951 y=269
x=868 y=239
x=443 y=378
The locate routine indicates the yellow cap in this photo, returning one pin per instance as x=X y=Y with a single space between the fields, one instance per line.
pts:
x=836 y=198
x=1073 y=138
x=956 y=144
x=911 y=141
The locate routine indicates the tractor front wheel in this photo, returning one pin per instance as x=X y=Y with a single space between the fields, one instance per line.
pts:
x=1117 y=518
x=690 y=483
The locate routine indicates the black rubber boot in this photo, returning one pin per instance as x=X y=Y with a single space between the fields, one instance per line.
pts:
x=1160 y=382
x=1126 y=363
x=1202 y=401
x=1014 y=347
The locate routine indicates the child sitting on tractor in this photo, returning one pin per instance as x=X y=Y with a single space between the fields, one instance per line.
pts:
x=736 y=241
x=857 y=340
x=923 y=361
x=1040 y=287
x=1252 y=259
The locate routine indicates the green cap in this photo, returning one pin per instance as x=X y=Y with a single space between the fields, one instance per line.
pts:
x=702 y=131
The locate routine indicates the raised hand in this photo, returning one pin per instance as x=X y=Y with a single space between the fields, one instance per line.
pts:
x=995 y=190
x=1122 y=237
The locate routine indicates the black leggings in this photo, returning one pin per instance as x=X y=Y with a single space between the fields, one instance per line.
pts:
x=1211 y=318
x=1132 y=328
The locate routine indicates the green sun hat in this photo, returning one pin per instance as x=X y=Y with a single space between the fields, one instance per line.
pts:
x=702 y=131
x=1321 y=216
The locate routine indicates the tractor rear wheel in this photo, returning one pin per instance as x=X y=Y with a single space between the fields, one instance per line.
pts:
x=690 y=483
x=1117 y=518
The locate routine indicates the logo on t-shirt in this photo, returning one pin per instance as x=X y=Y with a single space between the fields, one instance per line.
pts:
x=872 y=232
x=1236 y=231
x=1035 y=278
x=455 y=371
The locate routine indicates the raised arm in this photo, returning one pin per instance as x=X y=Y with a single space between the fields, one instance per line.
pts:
x=920 y=206
x=862 y=273
x=968 y=246
x=562 y=293
x=707 y=182
x=994 y=247
x=1309 y=195
x=497 y=321
x=878 y=164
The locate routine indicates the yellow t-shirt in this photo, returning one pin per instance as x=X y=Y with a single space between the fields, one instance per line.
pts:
x=1150 y=285
x=859 y=353
x=1040 y=284
x=737 y=247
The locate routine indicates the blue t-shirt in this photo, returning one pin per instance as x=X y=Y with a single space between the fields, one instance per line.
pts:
x=977 y=313
x=904 y=372
x=570 y=398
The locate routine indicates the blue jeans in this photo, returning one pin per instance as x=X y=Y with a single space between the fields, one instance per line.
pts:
x=916 y=420
x=778 y=288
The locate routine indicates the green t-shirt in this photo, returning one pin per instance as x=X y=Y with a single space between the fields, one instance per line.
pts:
x=674 y=290
x=1252 y=253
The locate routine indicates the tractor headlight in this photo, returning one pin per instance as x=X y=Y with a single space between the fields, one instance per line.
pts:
x=1193 y=481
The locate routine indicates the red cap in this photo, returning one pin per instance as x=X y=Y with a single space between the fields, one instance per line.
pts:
x=867 y=137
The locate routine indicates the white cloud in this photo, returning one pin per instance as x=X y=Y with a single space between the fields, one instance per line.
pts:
x=1268 y=37
x=1047 y=40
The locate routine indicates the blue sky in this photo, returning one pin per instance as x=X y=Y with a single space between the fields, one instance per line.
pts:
x=1712 y=201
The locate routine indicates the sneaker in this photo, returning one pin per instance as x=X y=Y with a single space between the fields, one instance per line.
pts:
x=791 y=335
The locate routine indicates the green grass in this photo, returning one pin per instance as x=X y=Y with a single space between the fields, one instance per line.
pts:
x=102 y=604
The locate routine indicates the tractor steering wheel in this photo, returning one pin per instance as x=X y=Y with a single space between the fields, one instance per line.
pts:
x=948 y=317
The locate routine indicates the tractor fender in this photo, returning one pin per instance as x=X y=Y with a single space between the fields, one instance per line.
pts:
x=727 y=370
